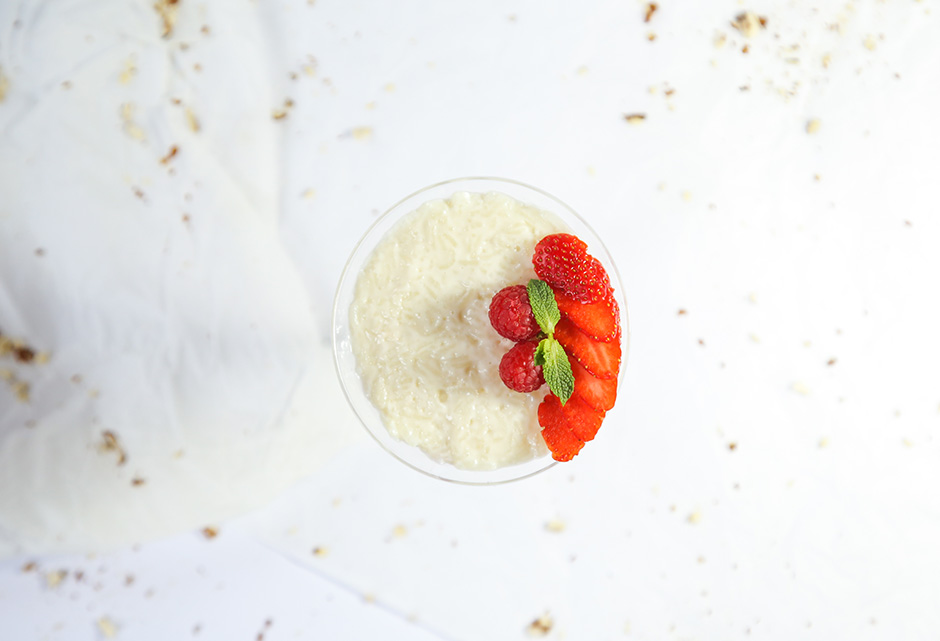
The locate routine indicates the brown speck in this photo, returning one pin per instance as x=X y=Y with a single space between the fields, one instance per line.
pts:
x=831 y=362
x=186 y=218
x=139 y=193
x=651 y=36
x=651 y=8
x=320 y=551
x=701 y=342
x=167 y=11
x=732 y=446
x=129 y=580
x=137 y=481
x=40 y=252
x=29 y=567
x=197 y=67
x=634 y=119
x=204 y=30
x=279 y=114
x=170 y=155
x=908 y=223
x=210 y=532
x=749 y=24
x=745 y=49
x=24 y=354
x=110 y=443
x=541 y=626
x=66 y=84
x=4 y=85
x=681 y=312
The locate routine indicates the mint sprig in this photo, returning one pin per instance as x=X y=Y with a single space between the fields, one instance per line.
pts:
x=549 y=354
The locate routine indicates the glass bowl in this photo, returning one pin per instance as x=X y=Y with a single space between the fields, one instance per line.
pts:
x=345 y=359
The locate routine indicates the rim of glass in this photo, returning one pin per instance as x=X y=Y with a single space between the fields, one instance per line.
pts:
x=343 y=359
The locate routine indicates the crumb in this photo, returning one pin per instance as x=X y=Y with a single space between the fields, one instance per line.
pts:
x=320 y=551
x=634 y=119
x=390 y=87
x=823 y=442
x=831 y=362
x=749 y=24
x=700 y=560
x=362 y=133
x=167 y=10
x=687 y=195
x=813 y=125
x=701 y=342
x=870 y=42
x=752 y=297
x=54 y=579
x=170 y=155
x=4 y=85
x=651 y=36
x=204 y=30
x=800 y=388
x=720 y=41
x=29 y=567
x=210 y=532
x=129 y=71
x=695 y=517
x=681 y=312
x=745 y=49
x=23 y=354
x=907 y=442
x=309 y=194
x=131 y=128
x=21 y=391
x=107 y=628
x=754 y=338
x=192 y=121
x=555 y=525
x=826 y=59
x=399 y=531
x=137 y=481
x=368 y=597
x=279 y=114
x=110 y=443
x=732 y=446
x=541 y=626
x=651 y=8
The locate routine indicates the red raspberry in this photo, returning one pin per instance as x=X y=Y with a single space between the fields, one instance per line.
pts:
x=511 y=314
x=562 y=261
x=518 y=369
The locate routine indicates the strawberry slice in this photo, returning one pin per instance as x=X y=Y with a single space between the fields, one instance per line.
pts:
x=601 y=394
x=600 y=320
x=559 y=438
x=562 y=261
x=583 y=419
x=599 y=358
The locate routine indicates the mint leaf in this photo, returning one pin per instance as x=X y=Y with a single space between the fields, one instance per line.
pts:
x=544 y=307
x=555 y=368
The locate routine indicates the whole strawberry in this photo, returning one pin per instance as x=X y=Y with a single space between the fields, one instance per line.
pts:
x=562 y=261
x=511 y=314
x=518 y=369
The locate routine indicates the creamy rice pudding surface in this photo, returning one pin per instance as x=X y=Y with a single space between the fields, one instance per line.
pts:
x=425 y=351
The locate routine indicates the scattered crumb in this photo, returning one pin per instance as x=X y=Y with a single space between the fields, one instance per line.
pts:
x=29 y=567
x=309 y=194
x=695 y=517
x=110 y=443
x=749 y=23
x=555 y=525
x=826 y=60
x=54 y=579
x=4 y=85
x=813 y=125
x=651 y=36
x=204 y=30
x=870 y=42
x=732 y=446
x=170 y=155
x=137 y=481
x=129 y=71
x=701 y=342
x=700 y=559
x=651 y=8
x=320 y=551
x=720 y=40
x=167 y=10
x=681 y=312
x=399 y=531
x=831 y=362
x=192 y=121
x=800 y=388
x=362 y=133
x=634 y=119
x=541 y=626
x=107 y=628
x=824 y=442
x=21 y=391
x=131 y=128
x=390 y=87
x=210 y=532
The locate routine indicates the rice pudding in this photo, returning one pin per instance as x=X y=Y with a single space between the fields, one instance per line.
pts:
x=425 y=352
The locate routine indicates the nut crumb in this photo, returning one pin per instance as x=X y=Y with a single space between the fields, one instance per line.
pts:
x=167 y=10
x=634 y=119
x=749 y=23
x=681 y=312
x=110 y=443
x=170 y=155
x=107 y=627
x=192 y=121
x=320 y=551
x=137 y=481
x=651 y=36
x=210 y=532
x=29 y=567
x=54 y=579
x=555 y=525
x=651 y=8
x=831 y=362
x=732 y=446
x=541 y=626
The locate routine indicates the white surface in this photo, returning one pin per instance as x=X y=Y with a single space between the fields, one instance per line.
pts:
x=822 y=521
